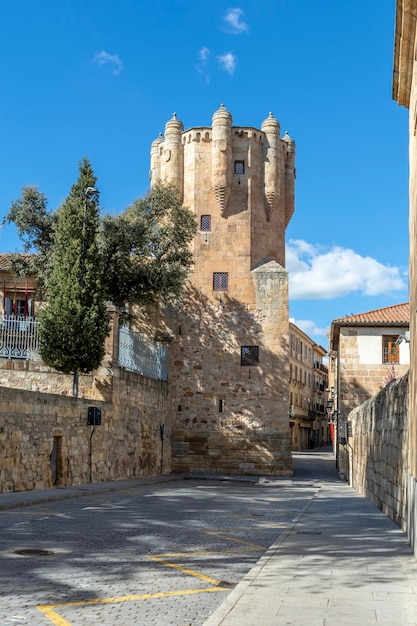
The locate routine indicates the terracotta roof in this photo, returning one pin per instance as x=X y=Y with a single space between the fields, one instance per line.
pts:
x=4 y=259
x=398 y=314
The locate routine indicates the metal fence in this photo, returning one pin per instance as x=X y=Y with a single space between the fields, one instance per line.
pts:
x=139 y=354
x=19 y=337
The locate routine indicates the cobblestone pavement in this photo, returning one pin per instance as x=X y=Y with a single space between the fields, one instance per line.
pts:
x=162 y=554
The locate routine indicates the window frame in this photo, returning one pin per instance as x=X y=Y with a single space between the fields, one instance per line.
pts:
x=207 y=218
x=223 y=281
x=390 y=351
x=249 y=356
x=239 y=164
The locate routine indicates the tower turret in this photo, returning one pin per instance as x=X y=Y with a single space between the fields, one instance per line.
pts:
x=155 y=171
x=271 y=128
x=222 y=156
x=289 y=177
x=172 y=167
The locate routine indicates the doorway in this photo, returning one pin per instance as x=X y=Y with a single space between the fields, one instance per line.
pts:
x=56 y=461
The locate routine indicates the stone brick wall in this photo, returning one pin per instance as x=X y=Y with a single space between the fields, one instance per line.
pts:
x=378 y=450
x=228 y=452
x=126 y=444
x=36 y=376
x=228 y=417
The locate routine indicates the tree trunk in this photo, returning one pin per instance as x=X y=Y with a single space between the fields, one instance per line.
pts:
x=75 y=382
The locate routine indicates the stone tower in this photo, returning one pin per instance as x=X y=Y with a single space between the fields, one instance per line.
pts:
x=229 y=359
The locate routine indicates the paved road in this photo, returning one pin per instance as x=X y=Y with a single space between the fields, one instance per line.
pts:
x=161 y=554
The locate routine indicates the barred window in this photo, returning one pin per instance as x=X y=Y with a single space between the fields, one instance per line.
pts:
x=249 y=355
x=205 y=222
x=239 y=167
x=220 y=281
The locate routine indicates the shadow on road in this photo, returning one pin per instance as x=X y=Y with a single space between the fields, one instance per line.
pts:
x=318 y=464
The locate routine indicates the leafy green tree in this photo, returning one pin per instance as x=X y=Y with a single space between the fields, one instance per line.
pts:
x=138 y=257
x=35 y=226
x=146 y=250
x=74 y=323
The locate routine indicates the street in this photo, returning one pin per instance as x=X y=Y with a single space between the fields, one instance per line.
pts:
x=161 y=554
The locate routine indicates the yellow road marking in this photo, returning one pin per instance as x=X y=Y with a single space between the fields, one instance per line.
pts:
x=245 y=543
x=49 y=612
x=48 y=609
x=56 y=619
x=185 y=570
x=205 y=552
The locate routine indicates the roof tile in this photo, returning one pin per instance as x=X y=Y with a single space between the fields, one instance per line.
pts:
x=396 y=314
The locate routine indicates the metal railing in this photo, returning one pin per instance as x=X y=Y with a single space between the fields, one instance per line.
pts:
x=139 y=354
x=19 y=337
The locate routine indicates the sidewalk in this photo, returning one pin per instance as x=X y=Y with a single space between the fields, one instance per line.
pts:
x=343 y=563
x=17 y=499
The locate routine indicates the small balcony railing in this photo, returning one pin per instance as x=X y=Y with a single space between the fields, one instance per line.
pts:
x=19 y=337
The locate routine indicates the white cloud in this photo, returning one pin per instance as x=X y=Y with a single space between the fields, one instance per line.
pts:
x=310 y=328
x=101 y=58
x=202 y=65
x=318 y=273
x=203 y=55
x=234 y=22
x=227 y=62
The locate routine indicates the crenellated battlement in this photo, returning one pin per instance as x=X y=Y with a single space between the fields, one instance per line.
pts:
x=260 y=152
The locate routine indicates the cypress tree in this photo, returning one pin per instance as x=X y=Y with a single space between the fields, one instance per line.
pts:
x=74 y=323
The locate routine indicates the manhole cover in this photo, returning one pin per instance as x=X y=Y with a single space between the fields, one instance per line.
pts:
x=33 y=552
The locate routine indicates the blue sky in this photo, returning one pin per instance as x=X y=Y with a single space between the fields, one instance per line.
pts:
x=101 y=78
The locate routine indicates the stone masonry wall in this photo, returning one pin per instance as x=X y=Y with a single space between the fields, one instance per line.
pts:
x=228 y=417
x=126 y=444
x=378 y=450
x=36 y=376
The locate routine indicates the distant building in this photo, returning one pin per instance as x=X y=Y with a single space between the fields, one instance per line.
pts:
x=367 y=350
x=308 y=391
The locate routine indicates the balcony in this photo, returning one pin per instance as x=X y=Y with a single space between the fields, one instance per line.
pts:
x=321 y=367
x=19 y=337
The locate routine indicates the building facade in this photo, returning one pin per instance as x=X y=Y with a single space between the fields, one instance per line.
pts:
x=229 y=357
x=367 y=351
x=308 y=391
x=405 y=93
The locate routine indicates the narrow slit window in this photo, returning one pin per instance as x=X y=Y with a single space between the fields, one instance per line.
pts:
x=221 y=405
x=220 y=281
x=249 y=355
x=205 y=222
x=239 y=167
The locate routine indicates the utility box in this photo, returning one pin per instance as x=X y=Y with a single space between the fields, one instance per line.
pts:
x=94 y=416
